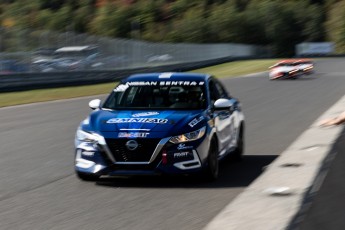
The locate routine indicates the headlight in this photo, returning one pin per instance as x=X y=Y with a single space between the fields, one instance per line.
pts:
x=88 y=137
x=192 y=136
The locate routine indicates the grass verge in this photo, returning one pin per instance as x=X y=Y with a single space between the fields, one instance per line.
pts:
x=229 y=69
x=238 y=68
x=40 y=95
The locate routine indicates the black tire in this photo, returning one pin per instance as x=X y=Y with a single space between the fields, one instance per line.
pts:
x=238 y=153
x=211 y=171
x=87 y=176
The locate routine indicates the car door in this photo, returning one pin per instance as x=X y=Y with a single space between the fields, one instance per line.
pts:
x=223 y=119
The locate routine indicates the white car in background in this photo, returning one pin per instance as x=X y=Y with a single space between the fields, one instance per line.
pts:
x=285 y=69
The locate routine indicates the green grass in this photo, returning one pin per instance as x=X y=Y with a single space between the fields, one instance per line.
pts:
x=25 y=97
x=229 y=69
x=238 y=68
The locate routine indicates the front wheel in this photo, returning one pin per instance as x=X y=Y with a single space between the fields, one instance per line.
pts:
x=212 y=169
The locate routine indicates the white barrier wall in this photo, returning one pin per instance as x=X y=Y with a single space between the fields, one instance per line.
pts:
x=315 y=48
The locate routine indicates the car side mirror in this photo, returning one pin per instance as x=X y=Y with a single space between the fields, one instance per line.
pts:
x=95 y=103
x=223 y=104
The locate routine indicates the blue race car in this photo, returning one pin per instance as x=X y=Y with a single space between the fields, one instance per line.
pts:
x=160 y=123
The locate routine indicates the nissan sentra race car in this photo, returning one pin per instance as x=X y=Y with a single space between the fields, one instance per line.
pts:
x=160 y=123
x=286 y=69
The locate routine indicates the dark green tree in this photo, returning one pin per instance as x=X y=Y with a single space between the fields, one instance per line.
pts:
x=336 y=26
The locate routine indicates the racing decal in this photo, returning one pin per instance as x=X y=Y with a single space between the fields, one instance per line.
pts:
x=145 y=114
x=183 y=146
x=179 y=83
x=195 y=121
x=121 y=88
x=133 y=135
x=137 y=120
x=142 y=83
x=182 y=154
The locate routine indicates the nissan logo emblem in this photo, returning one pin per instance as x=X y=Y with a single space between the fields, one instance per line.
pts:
x=132 y=145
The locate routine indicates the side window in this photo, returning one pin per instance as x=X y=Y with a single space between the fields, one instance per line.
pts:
x=221 y=91
x=214 y=93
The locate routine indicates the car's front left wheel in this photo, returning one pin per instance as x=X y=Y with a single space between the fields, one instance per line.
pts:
x=211 y=171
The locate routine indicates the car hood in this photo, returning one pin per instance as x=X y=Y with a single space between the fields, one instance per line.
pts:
x=169 y=122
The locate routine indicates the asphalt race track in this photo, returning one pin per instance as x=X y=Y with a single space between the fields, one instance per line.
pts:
x=38 y=188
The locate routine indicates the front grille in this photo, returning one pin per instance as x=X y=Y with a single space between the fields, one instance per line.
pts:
x=142 y=153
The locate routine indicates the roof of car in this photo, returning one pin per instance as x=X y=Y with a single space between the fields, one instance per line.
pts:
x=165 y=76
x=295 y=60
x=287 y=61
x=304 y=60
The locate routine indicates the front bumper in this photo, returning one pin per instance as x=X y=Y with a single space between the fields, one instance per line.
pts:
x=166 y=158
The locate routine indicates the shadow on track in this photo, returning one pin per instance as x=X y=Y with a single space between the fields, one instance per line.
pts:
x=309 y=78
x=232 y=174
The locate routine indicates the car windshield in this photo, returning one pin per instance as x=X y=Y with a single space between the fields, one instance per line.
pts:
x=125 y=96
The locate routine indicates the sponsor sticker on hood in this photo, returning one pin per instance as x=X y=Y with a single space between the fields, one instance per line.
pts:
x=137 y=120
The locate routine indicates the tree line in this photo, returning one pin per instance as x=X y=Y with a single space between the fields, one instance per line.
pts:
x=277 y=24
